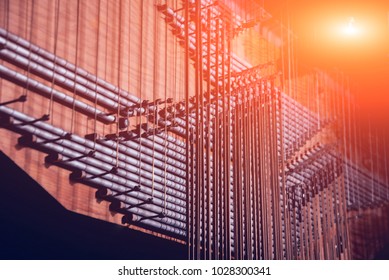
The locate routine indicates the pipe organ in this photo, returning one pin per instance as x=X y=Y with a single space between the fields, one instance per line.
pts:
x=156 y=112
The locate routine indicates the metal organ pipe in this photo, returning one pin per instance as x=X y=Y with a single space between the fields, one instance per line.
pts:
x=181 y=23
x=159 y=145
x=92 y=166
x=86 y=164
x=95 y=168
x=57 y=96
x=129 y=157
x=65 y=149
x=286 y=97
x=71 y=67
x=151 y=143
x=174 y=218
x=82 y=84
x=58 y=79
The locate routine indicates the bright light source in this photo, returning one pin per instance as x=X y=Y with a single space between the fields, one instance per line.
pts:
x=350 y=29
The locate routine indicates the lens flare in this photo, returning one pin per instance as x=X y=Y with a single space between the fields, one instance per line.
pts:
x=350 y=29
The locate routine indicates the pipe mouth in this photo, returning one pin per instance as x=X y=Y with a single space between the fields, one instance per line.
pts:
x=77 y=175
x=27 y=140
x=116 y=206
x=6 y=120
x=123 y=123
x=53 y=158
x=128 y=218
x=2 y=43
x=102 y=193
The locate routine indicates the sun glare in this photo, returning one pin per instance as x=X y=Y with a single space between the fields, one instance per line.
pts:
x=350 y=29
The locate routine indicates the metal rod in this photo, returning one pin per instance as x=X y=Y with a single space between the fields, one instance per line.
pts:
x=57 y=96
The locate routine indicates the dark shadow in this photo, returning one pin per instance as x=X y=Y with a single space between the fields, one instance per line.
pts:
x=383 y=254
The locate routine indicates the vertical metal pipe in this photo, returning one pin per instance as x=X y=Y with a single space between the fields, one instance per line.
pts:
x=208 y=141
x=189 y=197
x=216 y=158
x=227 y=125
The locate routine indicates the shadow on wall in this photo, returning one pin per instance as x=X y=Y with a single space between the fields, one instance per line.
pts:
x=35 y=226
x=383 y=254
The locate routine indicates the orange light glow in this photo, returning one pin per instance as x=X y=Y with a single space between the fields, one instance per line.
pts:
x=350 y=29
